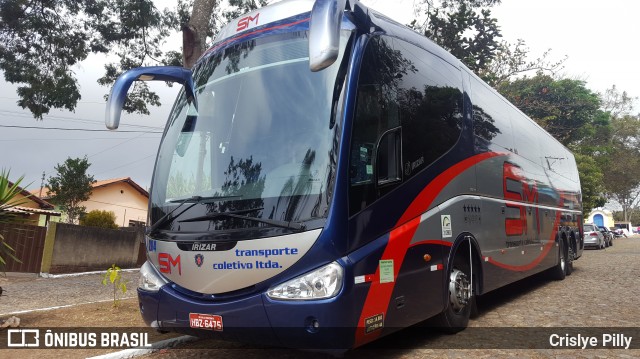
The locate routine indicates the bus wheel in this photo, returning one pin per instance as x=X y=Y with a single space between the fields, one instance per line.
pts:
x=560 y=270
x=456 y=315
x=569 y=262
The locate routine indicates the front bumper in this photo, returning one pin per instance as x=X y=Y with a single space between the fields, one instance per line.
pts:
x=256 y=319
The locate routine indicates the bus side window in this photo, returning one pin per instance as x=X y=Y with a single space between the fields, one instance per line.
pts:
x=430 y=100
x=409 y=108
x=365 y=137
x=376 y=113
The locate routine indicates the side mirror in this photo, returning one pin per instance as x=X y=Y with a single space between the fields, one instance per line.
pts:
x=324 y=33
x=154 y=73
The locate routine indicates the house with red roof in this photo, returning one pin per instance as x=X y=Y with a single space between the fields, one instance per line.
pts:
x=33 y=209
x=122 y=196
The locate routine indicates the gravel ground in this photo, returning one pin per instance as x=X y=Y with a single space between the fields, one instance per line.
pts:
x=28 y=292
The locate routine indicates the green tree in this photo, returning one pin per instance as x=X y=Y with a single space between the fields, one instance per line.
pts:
x=98 y=218
x=591 y=177
x=633 y=216
x=622 y=175
x=463 y=27
x=71 y=186
x=41 y=41
x=512 y=60
x=565 y=108
x=617 y=103
x=467 y=29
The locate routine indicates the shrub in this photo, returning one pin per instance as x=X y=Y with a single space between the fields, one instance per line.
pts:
x=98 y=218
x=114 y=277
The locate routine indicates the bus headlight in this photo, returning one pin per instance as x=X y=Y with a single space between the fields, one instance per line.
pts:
x=322 y=283
x=149 y=279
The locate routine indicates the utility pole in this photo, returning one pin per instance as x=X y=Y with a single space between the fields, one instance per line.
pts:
x=41 y=185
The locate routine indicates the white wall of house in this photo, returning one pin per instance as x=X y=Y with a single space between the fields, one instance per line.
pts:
x=122 y=199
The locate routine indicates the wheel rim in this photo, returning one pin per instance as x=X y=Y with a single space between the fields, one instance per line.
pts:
x=563 y=263
x=459 y=290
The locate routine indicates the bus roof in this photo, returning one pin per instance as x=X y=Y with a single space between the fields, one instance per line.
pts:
x=262 y=16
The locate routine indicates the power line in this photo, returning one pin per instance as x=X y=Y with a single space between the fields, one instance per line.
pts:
x=79 y=102
x=126 y=164
x=75 y=129
x=118 y=144
x=75 y=139
x=76 y=119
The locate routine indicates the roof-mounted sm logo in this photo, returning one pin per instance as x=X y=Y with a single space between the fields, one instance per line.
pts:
x=245 y=22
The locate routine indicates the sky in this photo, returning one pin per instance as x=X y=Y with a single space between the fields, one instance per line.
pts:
x=598 y=37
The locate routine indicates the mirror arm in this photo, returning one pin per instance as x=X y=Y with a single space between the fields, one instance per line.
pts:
x=118 y=94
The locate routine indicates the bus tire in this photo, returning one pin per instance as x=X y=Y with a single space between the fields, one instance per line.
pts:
x=460 y=299
x=568 y=268
x=559 y=271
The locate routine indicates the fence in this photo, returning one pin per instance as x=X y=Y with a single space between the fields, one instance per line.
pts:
x=28 y=242
x=66 y=248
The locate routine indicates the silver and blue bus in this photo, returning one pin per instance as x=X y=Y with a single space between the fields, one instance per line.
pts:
x=328 y=176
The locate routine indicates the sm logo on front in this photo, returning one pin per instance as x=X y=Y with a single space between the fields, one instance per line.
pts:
x=168 y=264
x=244 y=23
x=516 y=189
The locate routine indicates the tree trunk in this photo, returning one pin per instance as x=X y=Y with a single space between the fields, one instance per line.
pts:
x=194 y=34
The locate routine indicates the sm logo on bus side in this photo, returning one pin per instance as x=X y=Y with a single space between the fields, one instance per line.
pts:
x=245 y=22
x=167 y=264
x=516 y=188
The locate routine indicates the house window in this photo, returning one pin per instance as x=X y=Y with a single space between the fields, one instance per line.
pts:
x=133 y=223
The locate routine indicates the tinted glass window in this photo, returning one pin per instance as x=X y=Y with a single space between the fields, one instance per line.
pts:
x=408 y=114
x=526 y=136
x=430 y=101
x=490 y=117
x=376 y=113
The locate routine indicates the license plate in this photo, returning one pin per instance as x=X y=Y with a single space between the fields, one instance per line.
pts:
x=205 y=321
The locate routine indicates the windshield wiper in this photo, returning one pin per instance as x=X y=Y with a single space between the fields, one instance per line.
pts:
x=193 y=200
x=239 y=215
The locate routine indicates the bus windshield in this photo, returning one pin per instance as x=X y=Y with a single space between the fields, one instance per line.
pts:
x=259 y=142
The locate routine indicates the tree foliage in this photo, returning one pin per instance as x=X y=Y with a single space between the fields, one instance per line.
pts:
x=98 y=218
x=463 y=27
x=512 y=60
x=566 y=108
x=8 y=199
x=591 y=177
x=467 y=29
x=71 y=186
x=617 y=103
x=42 y=40
x=622 y=174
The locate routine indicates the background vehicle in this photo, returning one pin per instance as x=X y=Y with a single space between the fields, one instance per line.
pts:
x=617 y=232
x=593 y=237
x=608 y=235
x=626 y=227
x=328 y=178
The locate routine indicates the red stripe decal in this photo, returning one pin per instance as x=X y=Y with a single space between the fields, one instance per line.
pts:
x=400 y=237
x=234 y=38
